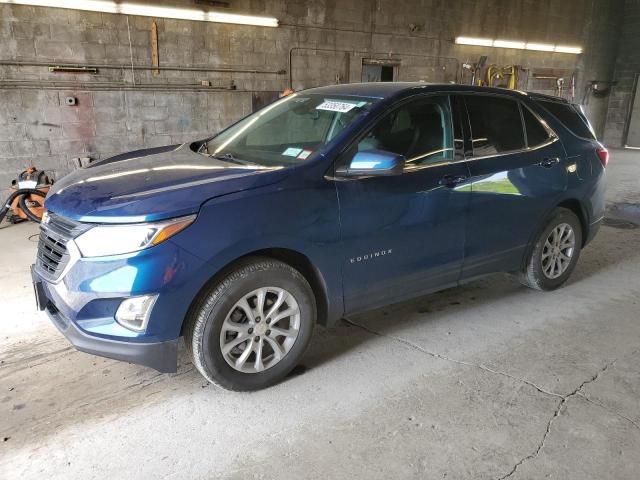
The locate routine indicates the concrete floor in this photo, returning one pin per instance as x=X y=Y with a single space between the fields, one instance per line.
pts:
x=490 y=380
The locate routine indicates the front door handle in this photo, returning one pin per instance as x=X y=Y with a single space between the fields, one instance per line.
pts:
x=549 y=162
x=452 y=180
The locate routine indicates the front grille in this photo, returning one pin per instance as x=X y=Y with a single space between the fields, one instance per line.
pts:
x=53 y=253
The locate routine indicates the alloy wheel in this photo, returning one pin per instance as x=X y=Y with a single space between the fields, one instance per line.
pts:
x=558 y=251
x=260 y=329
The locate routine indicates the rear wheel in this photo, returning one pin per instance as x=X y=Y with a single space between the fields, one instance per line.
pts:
x=555 y=253
x=250 y=329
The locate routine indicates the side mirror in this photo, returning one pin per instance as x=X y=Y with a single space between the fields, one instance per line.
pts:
x=374 y=163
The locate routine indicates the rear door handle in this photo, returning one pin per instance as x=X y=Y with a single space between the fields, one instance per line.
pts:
x=452 y=180
x=549 y=162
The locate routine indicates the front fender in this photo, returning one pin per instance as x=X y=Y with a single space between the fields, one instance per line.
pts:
x=304 y=219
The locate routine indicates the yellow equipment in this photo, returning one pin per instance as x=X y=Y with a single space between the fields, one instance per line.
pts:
x=506 y=76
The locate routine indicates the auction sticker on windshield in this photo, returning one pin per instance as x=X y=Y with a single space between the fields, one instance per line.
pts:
x=336 y=106
x=304 y=154
x=292 y=152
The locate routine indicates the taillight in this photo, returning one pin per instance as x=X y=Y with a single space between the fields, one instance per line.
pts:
x=603 y=155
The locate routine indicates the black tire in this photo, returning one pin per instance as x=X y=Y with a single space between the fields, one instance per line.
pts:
x=25 y=208
x=533 y=274
x=204 y=325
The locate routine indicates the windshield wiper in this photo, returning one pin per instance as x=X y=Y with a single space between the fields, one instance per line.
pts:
x=228 y=157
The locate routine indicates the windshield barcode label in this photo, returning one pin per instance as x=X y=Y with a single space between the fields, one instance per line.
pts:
x=333 y=106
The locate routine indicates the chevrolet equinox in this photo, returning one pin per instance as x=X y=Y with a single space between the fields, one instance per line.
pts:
x=327 y=202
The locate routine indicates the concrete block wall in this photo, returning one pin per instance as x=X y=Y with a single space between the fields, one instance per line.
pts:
x=627 y=67
x=121 y=108
x=37 y=127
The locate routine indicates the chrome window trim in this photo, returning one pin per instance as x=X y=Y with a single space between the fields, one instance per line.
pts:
x=551 y=140
x=553 y=137
x=428 y=154
x=418 y=168
x=514 y=152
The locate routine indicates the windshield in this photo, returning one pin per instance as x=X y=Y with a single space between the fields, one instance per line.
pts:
x=288 y=131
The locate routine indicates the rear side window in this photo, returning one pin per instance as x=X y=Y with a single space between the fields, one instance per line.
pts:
x=496 y=125
x=536 y=133
x=570 y=118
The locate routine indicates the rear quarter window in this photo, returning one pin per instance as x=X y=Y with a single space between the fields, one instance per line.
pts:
x=570 y=118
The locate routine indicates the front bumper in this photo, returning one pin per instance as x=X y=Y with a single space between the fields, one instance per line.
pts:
x=82 y=295
x=83 y=302
x=161 y=356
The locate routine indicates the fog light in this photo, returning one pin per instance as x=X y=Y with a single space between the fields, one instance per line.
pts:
x=133 y=313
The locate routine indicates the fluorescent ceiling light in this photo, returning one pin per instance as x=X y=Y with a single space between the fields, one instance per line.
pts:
x=562 y=49
x=541 y=47
x=131 y=8
x=483 y=42
x=508 y=44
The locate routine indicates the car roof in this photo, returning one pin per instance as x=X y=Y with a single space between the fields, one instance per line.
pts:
x=370 y=89
x=387 y=90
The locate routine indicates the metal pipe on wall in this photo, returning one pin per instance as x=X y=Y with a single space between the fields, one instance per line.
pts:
x=353 y=30
x=107 y=66
x=106 y=86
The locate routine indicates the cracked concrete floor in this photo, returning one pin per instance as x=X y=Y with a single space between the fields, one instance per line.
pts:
x=489 y=380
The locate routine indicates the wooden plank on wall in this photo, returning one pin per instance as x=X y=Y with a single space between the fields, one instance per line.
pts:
x=155 y=58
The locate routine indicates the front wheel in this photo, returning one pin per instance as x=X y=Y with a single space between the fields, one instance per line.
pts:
x=251 y=329
x=555 y=253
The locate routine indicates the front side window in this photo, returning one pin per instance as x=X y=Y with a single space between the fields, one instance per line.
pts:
x=496 y=125
x=420 y=130
x=288 y=131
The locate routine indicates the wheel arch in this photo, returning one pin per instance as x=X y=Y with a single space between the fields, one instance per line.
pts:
x=577 y=208
x=293 y=258
x=572 y=204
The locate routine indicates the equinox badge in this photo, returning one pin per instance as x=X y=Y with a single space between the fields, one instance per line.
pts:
x=369 y=256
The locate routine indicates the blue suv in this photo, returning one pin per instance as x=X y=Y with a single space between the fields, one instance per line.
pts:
x=328 y=202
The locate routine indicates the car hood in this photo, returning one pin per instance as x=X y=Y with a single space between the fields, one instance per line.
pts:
x=152 y=184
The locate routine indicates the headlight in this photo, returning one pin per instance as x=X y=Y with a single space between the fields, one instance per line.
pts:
x=106 y=240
